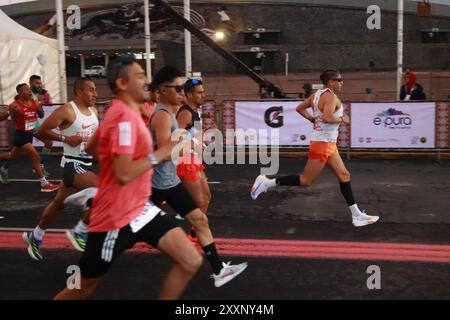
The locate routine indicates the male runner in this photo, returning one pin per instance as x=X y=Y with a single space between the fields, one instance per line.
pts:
x=25 y=111
x=122 y=214
x=190 y=169
x=328 y=114
x=166 y=184
x=77 y=121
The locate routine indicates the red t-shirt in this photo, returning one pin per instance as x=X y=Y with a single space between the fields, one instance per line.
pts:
x=27 y=117
x=150 y=111
x=122 y=132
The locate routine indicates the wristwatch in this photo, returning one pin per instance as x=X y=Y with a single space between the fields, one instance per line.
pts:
x=62 y=138
x=151 y=157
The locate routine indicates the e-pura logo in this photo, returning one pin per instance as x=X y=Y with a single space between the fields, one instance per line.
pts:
x=394 y=119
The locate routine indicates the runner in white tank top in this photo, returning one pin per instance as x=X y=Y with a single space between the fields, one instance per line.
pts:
x=84 y=126
x=328 y=115
x=77 y=121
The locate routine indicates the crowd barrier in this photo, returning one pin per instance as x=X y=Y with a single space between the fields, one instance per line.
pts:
x=374 y=125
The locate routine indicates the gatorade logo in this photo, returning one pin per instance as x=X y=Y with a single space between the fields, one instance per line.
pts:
x=274 y=117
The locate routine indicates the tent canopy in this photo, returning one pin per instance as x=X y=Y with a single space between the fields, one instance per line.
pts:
x=22 y=54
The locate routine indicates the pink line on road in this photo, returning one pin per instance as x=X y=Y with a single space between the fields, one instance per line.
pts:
x=335 y=250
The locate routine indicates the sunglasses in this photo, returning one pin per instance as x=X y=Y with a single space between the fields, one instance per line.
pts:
x=178 y=89
x=338 y=79
x=195 y=82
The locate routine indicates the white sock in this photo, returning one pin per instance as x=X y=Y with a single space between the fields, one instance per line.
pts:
x=38 y=233
x=355 y=210
x=81 y=227
x=271 y=183
x=43 y=181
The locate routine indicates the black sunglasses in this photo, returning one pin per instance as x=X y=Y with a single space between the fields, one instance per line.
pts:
x=178 y=89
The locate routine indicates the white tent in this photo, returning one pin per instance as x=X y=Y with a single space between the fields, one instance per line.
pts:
x=22 y=54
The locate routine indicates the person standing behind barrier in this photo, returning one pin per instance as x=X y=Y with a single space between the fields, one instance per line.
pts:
x=25 y=112
x=328 y=114
x=42 y=95
x=411 y=90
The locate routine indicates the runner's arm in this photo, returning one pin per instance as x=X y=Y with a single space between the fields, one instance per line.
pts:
x=127 y=169
x=161 y=126
x=91 y=145
x=301 y=109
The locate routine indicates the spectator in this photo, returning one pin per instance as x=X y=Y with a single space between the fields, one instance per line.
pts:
x=225 y=19
x=411 y=90
x=308 y=89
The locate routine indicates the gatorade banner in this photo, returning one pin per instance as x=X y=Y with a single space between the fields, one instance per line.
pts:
x=393 y=125
x=271 y=123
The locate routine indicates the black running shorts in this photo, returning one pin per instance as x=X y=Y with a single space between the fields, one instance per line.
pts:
x=103 y=248
x=177 y=198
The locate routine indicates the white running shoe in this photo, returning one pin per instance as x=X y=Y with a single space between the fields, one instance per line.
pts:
x=363 y=220
x=228 y=273
x=81 y=198
x=259 y=186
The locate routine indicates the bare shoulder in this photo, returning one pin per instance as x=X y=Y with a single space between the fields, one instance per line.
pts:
x=160 y=118
x=64 y=113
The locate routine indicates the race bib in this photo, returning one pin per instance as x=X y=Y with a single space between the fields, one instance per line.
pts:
x=82 y=148
x=30 y=125
x=148 y=214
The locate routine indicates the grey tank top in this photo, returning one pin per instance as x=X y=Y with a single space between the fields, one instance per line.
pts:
x=165 y=174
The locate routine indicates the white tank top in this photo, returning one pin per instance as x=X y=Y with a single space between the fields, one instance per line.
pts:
x=83 y=126
x=324 y=132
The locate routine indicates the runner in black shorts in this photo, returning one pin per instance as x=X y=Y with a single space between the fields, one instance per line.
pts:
x=123 y=147
x=166 y=184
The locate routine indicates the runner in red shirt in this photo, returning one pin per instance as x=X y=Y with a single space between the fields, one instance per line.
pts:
x=25 y=111
x=124 y=150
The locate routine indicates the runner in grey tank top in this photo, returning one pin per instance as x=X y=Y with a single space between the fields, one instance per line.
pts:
x=165 y=174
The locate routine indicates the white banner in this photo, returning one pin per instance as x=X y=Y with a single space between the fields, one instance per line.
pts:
x=271 y=123
x=393 y=125
x=47 y=112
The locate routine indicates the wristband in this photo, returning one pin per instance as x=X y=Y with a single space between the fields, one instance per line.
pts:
x=151 y=157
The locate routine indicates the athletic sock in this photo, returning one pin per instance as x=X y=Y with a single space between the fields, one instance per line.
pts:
x=271 y=183
x=5 y=165
x=43 y=181
x=38 y=233
x=213 y=257
x=355 y=211
x=44 y=154
x=81 y=227
x=292 y=180
x=346 y=190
